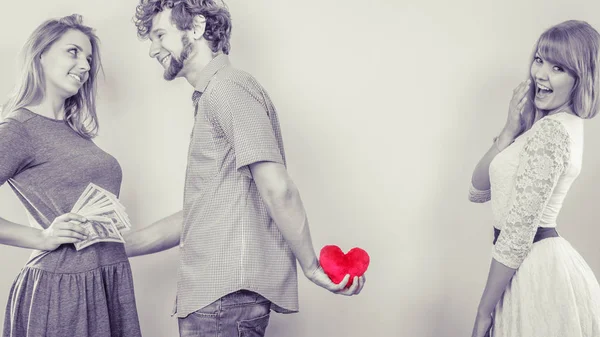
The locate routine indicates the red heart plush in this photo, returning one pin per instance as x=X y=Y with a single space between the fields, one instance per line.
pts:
x=336 y=264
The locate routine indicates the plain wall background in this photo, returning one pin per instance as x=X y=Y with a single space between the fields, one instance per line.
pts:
x=385 y=106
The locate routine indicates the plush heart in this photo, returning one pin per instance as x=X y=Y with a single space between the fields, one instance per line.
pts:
x=336 y=264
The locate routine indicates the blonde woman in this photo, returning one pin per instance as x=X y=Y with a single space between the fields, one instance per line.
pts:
x=48 y=158
x=538 y=285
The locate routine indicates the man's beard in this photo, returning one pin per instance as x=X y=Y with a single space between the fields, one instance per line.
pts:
x=176 y=65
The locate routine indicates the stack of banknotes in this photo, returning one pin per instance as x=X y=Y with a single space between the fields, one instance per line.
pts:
x=106 y=217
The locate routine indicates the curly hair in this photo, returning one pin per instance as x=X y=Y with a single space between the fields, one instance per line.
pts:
x=218 y=19
x=80 y=109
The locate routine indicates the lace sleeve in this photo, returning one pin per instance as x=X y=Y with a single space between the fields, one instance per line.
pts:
x=543 y=159
x=479 y=196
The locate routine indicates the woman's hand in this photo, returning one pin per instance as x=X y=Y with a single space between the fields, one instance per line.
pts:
x=483 y=326
x=514 y=122
x=64 y=229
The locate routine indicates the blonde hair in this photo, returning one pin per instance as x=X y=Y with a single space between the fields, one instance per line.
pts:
x=575 y=46
x=80 y=109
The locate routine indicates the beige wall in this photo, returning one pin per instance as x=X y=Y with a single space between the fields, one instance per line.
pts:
x=385 y=107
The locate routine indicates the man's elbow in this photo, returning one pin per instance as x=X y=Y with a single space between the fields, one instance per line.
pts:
x=280 y=192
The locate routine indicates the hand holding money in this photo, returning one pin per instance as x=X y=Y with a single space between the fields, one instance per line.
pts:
x=106 y=217
x=65 y=228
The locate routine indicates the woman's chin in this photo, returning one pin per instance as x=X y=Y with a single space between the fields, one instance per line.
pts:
x=68 y=93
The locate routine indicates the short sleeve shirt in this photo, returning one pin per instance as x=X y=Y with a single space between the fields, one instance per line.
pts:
x=229 y=242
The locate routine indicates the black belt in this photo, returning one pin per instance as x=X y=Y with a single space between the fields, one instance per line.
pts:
x=541 y=233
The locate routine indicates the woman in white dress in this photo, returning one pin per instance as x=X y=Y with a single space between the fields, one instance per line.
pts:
x=538 y=285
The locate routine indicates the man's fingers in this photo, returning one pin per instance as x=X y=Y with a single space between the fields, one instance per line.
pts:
x=340 y=286
x=361 y=281
x=355 y=285
x=352 y=290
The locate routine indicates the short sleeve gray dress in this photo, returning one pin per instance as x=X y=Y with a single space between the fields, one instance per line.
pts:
x=86 y=293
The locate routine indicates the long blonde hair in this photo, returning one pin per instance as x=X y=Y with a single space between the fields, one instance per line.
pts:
x=80 y=109
x=574 y=45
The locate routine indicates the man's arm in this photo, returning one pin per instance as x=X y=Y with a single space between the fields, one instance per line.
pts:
x=283 y=202
x=161 y=235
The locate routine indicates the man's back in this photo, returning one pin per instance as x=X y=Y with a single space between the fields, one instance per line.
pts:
x=229 y=241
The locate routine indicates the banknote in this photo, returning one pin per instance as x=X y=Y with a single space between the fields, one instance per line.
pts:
x=99 y=229
x=106 y=216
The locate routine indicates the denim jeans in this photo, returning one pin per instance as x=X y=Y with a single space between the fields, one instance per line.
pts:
x=240 y=314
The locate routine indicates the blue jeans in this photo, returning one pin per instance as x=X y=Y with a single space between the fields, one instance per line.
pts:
x=240 y=314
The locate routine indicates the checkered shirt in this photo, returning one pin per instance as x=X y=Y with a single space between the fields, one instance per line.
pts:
x=229 y=242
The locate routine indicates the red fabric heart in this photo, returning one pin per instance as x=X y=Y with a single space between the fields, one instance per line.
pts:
x=336 y=264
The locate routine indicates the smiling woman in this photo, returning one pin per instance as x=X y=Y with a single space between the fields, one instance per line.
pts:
x=66 y=65
x=48 y=158
x=554 y=84
x=58 y=52
x=538 y=284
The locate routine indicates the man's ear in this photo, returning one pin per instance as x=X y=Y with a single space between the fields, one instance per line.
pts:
x=199 y=26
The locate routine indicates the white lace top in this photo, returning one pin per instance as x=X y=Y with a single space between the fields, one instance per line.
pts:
x=530 y=180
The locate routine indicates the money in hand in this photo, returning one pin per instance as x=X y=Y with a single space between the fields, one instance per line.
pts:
x=106 y=216
x=99 y=229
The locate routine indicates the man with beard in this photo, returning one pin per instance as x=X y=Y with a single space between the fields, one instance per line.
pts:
x=243 y=224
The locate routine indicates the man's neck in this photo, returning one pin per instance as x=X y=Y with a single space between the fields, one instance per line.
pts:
x=195 y=64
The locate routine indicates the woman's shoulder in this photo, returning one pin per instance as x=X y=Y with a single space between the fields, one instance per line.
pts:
x=560 y=126
x=559 y=135
x=14 y=124
x=568 y=123
x=20 y=116
x=549 y=133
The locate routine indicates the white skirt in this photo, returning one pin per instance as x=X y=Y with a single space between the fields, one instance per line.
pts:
x=554 y=293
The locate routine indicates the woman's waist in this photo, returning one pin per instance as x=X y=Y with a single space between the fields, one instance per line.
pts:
x=505 y=216
x=502 y=215
x=66 y=259
x=541 y=233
